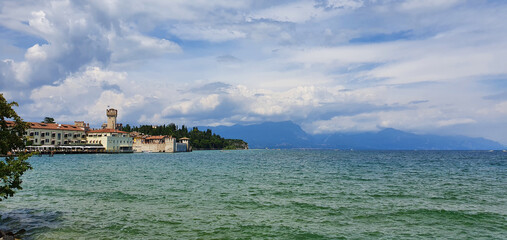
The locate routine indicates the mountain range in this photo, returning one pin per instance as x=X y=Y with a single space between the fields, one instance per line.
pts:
x=290 y=135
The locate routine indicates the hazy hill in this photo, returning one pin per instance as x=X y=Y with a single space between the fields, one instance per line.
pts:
x=290 y=135
x=268 y=134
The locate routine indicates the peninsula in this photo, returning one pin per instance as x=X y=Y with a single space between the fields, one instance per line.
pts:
x=113 y=137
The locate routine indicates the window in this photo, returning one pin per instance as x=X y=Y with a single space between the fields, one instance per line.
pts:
x=36 y=140
x=47 y=140
x=31 y=134
x=41 y=134
x=36 y=133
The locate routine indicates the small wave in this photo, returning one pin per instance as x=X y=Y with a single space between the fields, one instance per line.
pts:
x=393 y=195
x=312 y=206
x=34 y=221
x=446 y=215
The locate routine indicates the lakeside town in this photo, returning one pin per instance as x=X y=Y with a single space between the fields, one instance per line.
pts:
x=51 y=138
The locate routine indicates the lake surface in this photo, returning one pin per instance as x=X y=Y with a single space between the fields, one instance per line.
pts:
x=263 y=194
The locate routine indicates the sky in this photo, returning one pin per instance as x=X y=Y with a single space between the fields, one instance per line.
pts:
x=422 y=66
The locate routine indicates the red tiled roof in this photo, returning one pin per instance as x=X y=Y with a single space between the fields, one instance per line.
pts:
x=50 y=126
x=106 y=131
x=157 y=137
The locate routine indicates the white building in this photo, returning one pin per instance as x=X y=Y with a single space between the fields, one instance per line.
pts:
x=113 y=140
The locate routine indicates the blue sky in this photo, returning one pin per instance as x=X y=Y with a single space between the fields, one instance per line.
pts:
x=432 y=66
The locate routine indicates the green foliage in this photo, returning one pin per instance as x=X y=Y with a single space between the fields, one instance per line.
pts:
x=127 y=128
x=11 y=170
x=11 y=137
x=230 y=147
x=233 y=144
x=198 y=139
x=49 y=120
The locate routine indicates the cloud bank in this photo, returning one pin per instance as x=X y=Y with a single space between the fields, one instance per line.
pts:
x=328 y=65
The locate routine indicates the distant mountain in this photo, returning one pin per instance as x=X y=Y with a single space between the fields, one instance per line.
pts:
x=290 y=135
x=392 y=139
x=266 y=135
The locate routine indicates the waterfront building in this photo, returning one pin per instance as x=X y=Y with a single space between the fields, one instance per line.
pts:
x=182 y=146
x=111 y=139
x=40 y=134
x=54 y=137
x=167 y=144
x=144 y=143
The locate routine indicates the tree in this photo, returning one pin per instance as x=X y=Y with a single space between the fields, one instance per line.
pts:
x=11 y=137
x=49 y=120
x=198 y=139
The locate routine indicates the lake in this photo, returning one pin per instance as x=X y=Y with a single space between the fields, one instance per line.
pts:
x=263 y=194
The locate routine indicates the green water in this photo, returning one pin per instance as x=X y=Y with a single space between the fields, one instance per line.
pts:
x=263 y=194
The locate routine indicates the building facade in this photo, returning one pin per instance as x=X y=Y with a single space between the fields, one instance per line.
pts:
x=166 y=144
x=182 y=146
x=111 y=139
x=154 y=144
x=39 y=134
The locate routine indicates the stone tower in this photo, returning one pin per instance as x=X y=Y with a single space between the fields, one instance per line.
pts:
x=111 y=118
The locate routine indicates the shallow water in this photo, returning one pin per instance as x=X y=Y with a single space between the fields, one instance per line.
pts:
x=263 y=194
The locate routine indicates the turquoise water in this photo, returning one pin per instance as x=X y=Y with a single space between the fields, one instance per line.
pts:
x=263 y=194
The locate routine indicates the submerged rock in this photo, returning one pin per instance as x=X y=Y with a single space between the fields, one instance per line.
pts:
x=10 y=235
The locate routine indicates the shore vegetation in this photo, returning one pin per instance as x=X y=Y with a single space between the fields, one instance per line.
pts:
x=11 y=137
x=199 y=140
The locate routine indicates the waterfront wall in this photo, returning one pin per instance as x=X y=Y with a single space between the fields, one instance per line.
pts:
x=169 y=145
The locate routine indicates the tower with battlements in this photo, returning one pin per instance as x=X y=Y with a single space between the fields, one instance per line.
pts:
x=111 y=118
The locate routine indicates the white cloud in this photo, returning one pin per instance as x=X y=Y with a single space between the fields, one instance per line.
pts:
x=412 y=5
x=135 y=46
x=330 y=65
x=303 y=11
x=76 y=38
x=501 y=107
x=436 y=59
x=351 y=4
x=192 y=106
x=36 y=53
x=357 y=123
x=208 y=33
x=40 y=23
x=450 y=122
x=85 y=96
